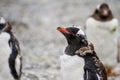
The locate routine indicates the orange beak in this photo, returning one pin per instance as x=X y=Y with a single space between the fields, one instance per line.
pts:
x=63 y=30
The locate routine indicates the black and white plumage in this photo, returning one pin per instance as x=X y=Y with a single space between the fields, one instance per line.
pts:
x=93 y=69
x=71 y=64
x=74 y=67
x=10 y=56
x=102 y=30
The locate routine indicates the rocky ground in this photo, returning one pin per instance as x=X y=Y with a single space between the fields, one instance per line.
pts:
x=35 y=22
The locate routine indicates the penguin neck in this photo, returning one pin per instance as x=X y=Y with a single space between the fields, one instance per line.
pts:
x=71 y=49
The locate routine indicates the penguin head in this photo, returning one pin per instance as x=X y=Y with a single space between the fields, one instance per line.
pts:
x=74 y=35
x=103 y=11
x=4 y=25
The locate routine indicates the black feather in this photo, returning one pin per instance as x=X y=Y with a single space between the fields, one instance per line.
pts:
x=13 y=42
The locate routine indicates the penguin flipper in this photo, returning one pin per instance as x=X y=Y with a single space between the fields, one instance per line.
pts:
x=18 y=65
x=90 y=75
x=15 y=59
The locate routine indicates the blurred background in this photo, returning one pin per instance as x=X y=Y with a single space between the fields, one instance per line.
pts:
x=34 y=24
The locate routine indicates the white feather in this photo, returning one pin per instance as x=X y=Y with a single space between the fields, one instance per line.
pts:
x=17 y=64
x=98 y=76
x=72 y=67
x=81 y=32
x=2 y=20
x=5 y=51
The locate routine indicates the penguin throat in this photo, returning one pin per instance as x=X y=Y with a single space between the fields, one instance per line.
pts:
x=104 y=18
x=71 y=49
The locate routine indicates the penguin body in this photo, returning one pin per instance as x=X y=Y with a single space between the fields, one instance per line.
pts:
x=102 y=30
x=5 y=51
x=10 y=57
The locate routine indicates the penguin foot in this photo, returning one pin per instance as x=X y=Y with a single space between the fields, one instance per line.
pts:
x=109 y=71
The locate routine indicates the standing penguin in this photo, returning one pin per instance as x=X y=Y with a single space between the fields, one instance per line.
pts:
x=10 y=56
x=72 y=65
x=102 y=30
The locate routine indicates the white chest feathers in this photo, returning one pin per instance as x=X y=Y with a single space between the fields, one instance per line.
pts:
x=72 y=67
x=103 y=25
x=5 y=52
x=4 y=44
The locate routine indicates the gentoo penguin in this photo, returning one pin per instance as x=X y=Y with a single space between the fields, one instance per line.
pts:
x=72 y=66
x=93 y=69
x=102 y=30
x=10 y=56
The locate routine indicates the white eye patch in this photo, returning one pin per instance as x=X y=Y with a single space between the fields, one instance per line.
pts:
x=80 y=32
x=2 y=20
x=98 y=7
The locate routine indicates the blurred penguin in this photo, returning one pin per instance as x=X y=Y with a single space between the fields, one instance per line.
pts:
x=102 y=30
x=10 y=56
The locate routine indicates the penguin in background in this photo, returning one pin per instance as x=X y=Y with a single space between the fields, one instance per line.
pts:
x=102 y=30
x=10 y=55
x=72 y=65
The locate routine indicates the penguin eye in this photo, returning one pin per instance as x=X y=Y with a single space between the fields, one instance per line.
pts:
x=77 y=35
